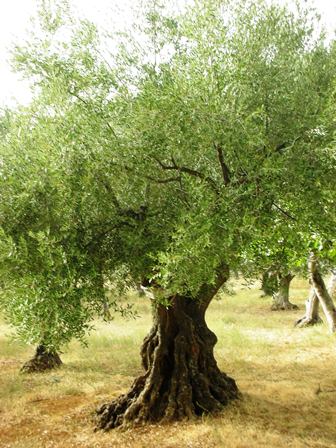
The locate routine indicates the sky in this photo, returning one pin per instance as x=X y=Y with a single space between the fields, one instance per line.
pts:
x=15 y=21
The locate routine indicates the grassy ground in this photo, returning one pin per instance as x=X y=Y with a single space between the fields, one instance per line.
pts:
x=287 y=377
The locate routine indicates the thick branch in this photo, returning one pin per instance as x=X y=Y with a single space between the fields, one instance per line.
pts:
x=225 y=169
x=207 y=292
x=190 y=171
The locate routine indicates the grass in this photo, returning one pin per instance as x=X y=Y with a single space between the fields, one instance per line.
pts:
x=286 y=375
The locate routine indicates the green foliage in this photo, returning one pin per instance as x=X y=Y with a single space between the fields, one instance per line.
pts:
x=42 y=292
x=189 y=147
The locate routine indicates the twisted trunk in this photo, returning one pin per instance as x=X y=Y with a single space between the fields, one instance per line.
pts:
x=281 y=297
x=181 y=378
x=43 y=360
x=322 y=293
x=311 y=316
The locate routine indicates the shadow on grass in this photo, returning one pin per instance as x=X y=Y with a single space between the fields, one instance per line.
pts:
x=302 y=418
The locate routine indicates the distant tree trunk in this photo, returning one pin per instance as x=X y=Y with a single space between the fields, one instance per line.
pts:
x=311 y=316
x=181 y=376
x=332 y=285
x=43 y=360
x=106 y=312
x=269 y=282
x=324 y=297
x=281 y=296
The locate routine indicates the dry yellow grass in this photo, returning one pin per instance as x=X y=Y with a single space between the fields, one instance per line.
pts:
x=287 y=377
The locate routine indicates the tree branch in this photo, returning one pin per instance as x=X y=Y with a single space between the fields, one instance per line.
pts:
x=288 y=215
x=166 y=180
x=207 y=292
x=190 y=171
x=225 y=169
x=114 y=199
x=97 y=111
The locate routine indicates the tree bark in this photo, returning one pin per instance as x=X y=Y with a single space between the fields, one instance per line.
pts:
x=281 y=297
x=43 y=360
x=181 y=378
x=311 y=316
x=322 y=293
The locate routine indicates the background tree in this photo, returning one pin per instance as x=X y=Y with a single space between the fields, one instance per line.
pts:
x=52 y=278
x=276 y=279
x=321 y=260
x=311 y=316
x=322 y=293
x=269 y=282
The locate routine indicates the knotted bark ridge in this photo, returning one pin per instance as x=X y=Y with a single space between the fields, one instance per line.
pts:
x=181 y=379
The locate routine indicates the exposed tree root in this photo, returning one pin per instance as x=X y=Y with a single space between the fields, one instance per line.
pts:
x=311 y=316
x=43 y=360
x=284 y=306
x=308 y=322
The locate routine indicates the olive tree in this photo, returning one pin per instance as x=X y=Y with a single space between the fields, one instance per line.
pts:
x=282 y=266
x=52 y=279
x=52 y=273
x=227 y=129
x=180 y=148
x=320 y=294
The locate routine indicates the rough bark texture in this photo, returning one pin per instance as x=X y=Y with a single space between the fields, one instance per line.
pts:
x=311 y=316
x=324 y=297
x=281 y=297
x=43 y=360
x=181 y=378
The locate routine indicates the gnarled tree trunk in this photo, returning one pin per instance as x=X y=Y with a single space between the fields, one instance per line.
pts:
x=311 y=316
x=281 y=297
x=43 y=360
x=324 y=297
x=181 y=378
